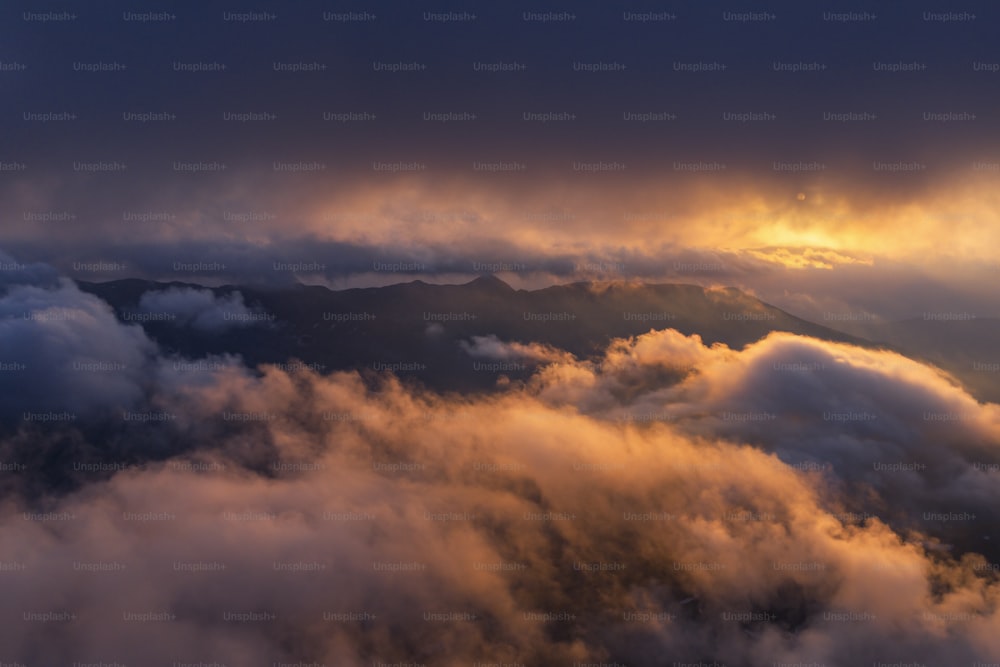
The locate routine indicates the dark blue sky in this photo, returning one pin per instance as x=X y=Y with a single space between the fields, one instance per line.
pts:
x=596 y=35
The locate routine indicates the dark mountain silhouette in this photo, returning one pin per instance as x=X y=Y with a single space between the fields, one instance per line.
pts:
x=421 y=325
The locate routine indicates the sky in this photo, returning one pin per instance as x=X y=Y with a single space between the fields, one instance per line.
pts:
x=789 y=149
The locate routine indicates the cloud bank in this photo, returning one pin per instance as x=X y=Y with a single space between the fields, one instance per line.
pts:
x=63 y=350
x=200 y=309
x=667 y=501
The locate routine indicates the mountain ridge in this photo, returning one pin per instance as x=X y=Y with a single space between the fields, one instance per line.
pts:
x=422 y=324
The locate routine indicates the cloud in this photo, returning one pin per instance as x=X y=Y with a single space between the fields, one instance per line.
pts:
x=491 y=347
x=746 y=230
x=13 y=272
x=64 y=350
x=874 y=420
x=201 y=309
x=804 y=257
x=331 y=518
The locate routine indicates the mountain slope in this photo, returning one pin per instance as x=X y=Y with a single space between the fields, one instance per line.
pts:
x=968 y=349
x=421 y=325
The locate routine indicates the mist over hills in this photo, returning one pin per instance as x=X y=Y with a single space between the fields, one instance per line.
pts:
x=423 y=330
